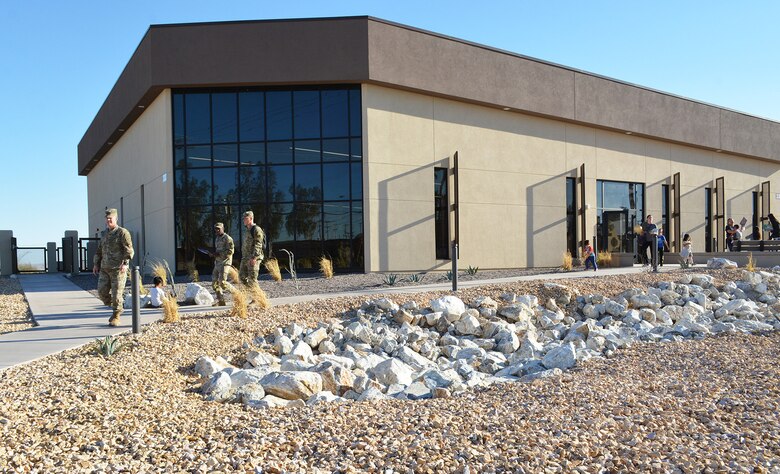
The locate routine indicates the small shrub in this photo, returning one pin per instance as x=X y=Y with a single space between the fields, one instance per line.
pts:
x=684 y=264
x=472 y=270
x=326 y=267
x=240 y=302
x=192 y=271
x=159 y=269
x=231 y=274
x=604 y=259
x=568 y=261
x=390 y=279
x=416 y=278
x=751 y=264
x=272 y=265
x=448 y=275
x=108 y=346
x=258 y=296
x=170 y=309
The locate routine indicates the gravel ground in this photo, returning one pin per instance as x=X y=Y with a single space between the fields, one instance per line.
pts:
x=15 y=314
x=711 y=405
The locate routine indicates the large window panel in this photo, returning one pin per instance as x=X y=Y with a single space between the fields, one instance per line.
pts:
x=231 y=216
x=199 y=186
x=356 y=178
x=280 y=183
x=197 y=118
x=278 y=113
x=225 y=184
x=180 y=190
x=251 y=119
x=198 y=156
x=278 y=228
x=252 y=183
x=307 y=151
x=306 y=220
x=335 y=113
x=224 y=117
x=355 y=114
x=280 y=153
x=252 y=153
x=335 y=150
x=356 y=149
x=336 y=220
x=178 y=119
x=225 y=155
x=179 y=157
x=335 y=179
x=307 y=114
x=308 y=184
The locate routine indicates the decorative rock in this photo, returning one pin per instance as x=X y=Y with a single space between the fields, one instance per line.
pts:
x=324 y=397
x=449 y=305
x=314 y=338
x=283 y=345
x=468 y=325
x=250 y=393
x=218 y=387
x=393 y=371
x=206 y=366
x=292 y=385
x=196 y=294
x=418 y=391
x=721 y=263
x=561 y=357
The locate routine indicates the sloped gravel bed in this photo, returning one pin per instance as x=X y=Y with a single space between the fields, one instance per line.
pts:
x=15 y=313
x=710 y=405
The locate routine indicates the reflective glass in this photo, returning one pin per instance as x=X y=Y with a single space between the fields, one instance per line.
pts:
x=280 y=152
x=278 y=113
x=308 y=184
x=356 y=152
x=224 y=117
x=200 y=230
x=355 y=114
x=357 y=234
x=251 y=118
x=335 y=181
x=199 y=186
x=337 y=220
x=307 y=151
x=198 y=156
x=280 y=183
x=307 y=114
x=252 y=182
x=253 y=153
x=357 y=180
x=180 y=188
x=335 y=149
x=231 y=217
x=179 y=157
x=307 y=219
x=178 y=119
x=225 y=155
x=277 y=228
x=335 y=113
x=197 y=118
x=225 y=180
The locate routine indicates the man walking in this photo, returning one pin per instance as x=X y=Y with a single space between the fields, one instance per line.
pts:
x=111 y=262
x=251 y=250
x=223 y=257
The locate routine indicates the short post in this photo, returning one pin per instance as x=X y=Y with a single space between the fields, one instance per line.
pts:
x=654 y=252
x=454 y=266
x=136 y=277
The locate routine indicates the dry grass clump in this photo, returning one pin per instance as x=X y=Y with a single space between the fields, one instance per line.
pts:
x=170 y=309
x=240 y=301
x=231 y=274
x=258 y=296
x=604 y=259
x=326 y=267
x=568 y=262
x=272 y=265
x=159 y=268
x=751 y=263
x=192 y=272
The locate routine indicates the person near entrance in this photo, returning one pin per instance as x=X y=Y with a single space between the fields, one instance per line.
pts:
x=223 y=258
x=663 y=245
x=251 y=250
x=646 y=239
x=111 y=263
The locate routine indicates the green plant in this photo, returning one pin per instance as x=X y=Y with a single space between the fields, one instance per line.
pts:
x=108 y=346
x=568 y=261
x=448 y=275
x=416 y=278
x=472 y=270
x=390 y=279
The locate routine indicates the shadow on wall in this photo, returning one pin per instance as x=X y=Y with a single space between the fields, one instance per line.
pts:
x=533 y=194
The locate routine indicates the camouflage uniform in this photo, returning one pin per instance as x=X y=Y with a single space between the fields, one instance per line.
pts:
x=251 y=246
x=223 y=257
x=115 y=249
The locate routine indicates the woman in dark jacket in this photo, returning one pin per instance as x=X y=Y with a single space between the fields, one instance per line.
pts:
x=775 y=234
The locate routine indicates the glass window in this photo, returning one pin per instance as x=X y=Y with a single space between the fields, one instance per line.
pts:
x=224 y=117
x=252 y=182
x=225 y=155
x=307 y=114
x=357 y=234
x=251 y=118
x=306 y=219
x=180 y=190
x=231 y=217
x=335 y=113
x=335 y=150
x=620 y=210
x=335 y=181
x=356 y=151
x=280 y=152
x=253 y=153
x=307 y=151
x=280 y=183
x=197 y=118
x=571 y=216
x=357 y=180
x=355 y=113
x=198 y=156
x=336 y=220
x=179 y=157
x=278 y=113
x=278 y=226
x=308 y=183
x=441 y=213
x=178 y=119
x=225 y=180
x=199 y=186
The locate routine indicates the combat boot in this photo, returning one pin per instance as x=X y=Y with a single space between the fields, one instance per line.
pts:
x=114 y=319
x=220 y=301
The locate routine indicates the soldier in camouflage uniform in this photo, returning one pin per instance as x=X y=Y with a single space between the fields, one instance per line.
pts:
x=112 y=261
x=223 y=257
x=251 y=250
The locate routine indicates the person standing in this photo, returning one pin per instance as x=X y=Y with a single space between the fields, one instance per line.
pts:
x=223 y=257
x=662 y=245
x=648 y=229
x=589 y=256
x=730 y=234
x=251 y=250
x=111 y=262
x=775 y=232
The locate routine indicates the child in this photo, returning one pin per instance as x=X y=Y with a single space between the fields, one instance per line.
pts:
x=589 y=256
x=157 y=294
x=662 y=245
x=687 y=251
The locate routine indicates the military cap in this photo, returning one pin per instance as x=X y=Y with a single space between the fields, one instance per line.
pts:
x=111 y=212
x=249 y=214
x=219 y=225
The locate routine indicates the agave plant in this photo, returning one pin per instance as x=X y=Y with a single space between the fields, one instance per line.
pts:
x=390 y=279
x=472 y=270
x=415 y=278
x=108 y=346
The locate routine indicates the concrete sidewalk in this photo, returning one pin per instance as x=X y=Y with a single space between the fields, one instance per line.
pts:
x=69 y=316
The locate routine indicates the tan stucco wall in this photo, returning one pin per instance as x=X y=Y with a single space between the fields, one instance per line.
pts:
x=512 y=180
x=142 y=156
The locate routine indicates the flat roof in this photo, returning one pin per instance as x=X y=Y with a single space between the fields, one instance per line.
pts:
x=364 y=49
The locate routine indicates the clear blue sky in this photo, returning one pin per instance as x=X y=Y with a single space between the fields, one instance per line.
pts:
x=60 y=59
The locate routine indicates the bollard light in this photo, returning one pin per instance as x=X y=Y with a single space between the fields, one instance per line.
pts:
x=136 y=278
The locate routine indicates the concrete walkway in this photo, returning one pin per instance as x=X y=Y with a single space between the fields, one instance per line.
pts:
x=69 y=316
